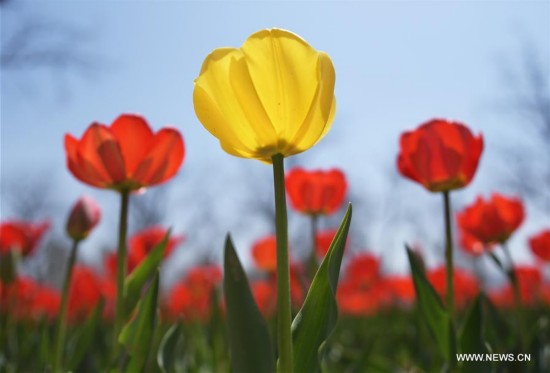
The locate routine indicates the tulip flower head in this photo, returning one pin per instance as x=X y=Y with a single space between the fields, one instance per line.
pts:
x=540 y=245
x=125 y=156
x=84 y=216
x=273 y=95
x=264 y=253
x=440 y=155
x=491 y=221
x=21 y=236
x=316 y=192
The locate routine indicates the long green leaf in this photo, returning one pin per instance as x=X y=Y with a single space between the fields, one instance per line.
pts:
x=249 y=342
x=472 y=339
x=167 y=350
x=433 y=311
x=137 y=334
x=134 y=283
x=85 y=337
x=317 y=318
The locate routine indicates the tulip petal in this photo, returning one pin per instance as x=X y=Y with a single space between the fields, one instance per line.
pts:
x=218 y=108
x=322 y=109
x=134 y=137
x=284 y=69
x=71 y=147
x=163 y=159
x=99 y=153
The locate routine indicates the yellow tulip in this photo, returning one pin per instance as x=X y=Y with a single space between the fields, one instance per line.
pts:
x=273 y=95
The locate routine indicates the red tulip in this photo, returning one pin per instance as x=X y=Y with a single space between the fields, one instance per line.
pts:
x=363 y=270
x=540 y=245
x=324 y=239
x=144 y=241
x=401 y=288
x=264 y=253
x=491 y=221
x=85 y=292
x=472 y=245
x=316 y=192
x=125 y=156
x=265 y=295
x=84 y=216
x=192 y=297
x=531 y=288
x=441 y=155
x=466 y=285
x=355 y=300
x=21 y=236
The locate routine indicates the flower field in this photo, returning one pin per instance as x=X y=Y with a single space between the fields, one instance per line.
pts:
x=334 y=310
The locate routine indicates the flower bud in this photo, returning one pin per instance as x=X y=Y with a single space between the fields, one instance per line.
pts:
x=83 y=218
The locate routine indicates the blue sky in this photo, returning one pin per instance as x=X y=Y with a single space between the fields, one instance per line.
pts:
x=398 y=63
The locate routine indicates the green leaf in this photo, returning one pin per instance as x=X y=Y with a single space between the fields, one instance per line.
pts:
x=249 y=342
x=472 y=340
x=86 y=336
x=166 y=354
x=317 y=318
x=431 y=308
x=143 y=272
x=137 y=334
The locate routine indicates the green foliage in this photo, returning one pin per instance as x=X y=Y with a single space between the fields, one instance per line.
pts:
x=432 y=310
x=137 y=334
x=249 y=342
x=317 y=318
x=135 y=281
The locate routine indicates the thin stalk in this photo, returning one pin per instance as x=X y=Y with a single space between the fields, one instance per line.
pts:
x=312 y=261
x=121 y=268
x=449 y=254
x=284 y=316
x=511 y=273
x=62 y=321
x=449 y=266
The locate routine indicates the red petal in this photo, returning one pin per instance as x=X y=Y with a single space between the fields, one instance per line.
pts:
x=163 y=159
x=134 y=137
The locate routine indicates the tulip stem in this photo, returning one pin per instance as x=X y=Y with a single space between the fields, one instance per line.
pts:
x=511 y=273
x=62 y=321
x=284 y=315
x=121 y=269
x=449 y=264
x=313 y=257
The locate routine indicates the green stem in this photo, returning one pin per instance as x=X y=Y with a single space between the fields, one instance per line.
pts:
x=449 y=254
x=312 y=261
x=121 y=269
x=62 y=321
x=511 y=273
x=450 y=267
x=284 y=316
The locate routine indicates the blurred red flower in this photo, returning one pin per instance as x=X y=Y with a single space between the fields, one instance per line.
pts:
x=191 y=299
x=491 y=221
x=264 y=254
x=21 y=236
x=143 y=242
x=316 y=192
x=531 y=288
x=265 y=295
x=472 y=245
x=441 y=155
x=125 y=156
x=84 y=216
x=323 y=241
x=466 y=285
x=25 y=299
x=363 y=270
x=401 y=288
x=540 y=245
x=85 y=292
x=139 y=246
